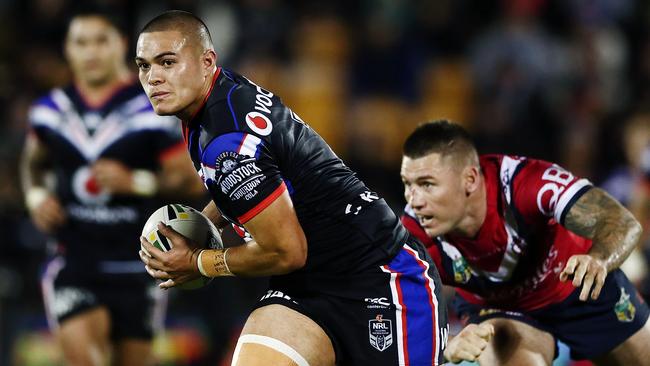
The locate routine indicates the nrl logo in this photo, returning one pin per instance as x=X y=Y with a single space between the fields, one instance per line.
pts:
x=624 y=308
x=380 y=332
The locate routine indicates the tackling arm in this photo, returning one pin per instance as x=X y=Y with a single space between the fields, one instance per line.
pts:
x=614 y=232
x=611 y=227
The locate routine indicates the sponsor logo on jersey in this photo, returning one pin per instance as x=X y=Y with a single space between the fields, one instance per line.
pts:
x=226 y=162
x=380 y=332
x=490 y=311
x=68 y=299
x=376 y=302
x=86 y=188
x=259 y=123
x=103 y=215
x=624 y=309
x=277 y=294
x=557 y=179
x=242 y=178
x=257 y=120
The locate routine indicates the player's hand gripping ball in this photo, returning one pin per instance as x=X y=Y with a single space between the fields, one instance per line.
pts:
x=188 y=222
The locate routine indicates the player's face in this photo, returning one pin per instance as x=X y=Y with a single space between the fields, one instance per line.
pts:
x=94 y=49
x=170 y=71
x=433 y=187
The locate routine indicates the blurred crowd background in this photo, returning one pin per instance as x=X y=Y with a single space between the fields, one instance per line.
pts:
x=560 y=80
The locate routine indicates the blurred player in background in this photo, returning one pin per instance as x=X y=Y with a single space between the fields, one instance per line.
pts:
x=111 y=157
x=532 y=249
x=630 y=184
x=348 y=284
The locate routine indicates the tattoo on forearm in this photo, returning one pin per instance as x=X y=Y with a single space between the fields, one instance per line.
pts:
x=613 y=229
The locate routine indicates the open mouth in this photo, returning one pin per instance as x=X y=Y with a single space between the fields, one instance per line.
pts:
x=425 y=219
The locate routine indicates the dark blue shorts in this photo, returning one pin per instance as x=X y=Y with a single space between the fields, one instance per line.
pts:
x=590 y=329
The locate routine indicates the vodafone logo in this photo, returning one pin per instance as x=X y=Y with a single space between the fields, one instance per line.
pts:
x=86 y=188
x=259 y=123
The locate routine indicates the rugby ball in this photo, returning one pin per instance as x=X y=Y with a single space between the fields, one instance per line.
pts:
x=188 y=222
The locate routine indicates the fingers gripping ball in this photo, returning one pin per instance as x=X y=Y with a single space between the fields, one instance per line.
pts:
x=188 y=222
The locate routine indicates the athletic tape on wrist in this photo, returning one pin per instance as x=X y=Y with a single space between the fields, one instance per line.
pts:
x=213 y=264
x=144 y=182
x=35 y=196
x=199 y=263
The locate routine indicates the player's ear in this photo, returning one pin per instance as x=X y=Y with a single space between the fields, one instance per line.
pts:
x=209 y=59
x=471 y=178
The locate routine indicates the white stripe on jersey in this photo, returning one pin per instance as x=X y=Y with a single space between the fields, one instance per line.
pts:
x=507 y=171
x=249 y=145
x=434 y=299
x=398 y=314
x=123 y=120
x=567 y=196
x=46 y=116
x=513 y=249
x=47 y=286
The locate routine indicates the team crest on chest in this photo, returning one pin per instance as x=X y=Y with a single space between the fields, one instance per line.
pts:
x=380 y=333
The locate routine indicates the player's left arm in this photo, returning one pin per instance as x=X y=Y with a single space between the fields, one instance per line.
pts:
x=614 y=233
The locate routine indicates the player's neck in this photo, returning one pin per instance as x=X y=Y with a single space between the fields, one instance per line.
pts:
x=190 y=112
x=96 y=94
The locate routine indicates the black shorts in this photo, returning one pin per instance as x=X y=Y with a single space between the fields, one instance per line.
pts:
x=135 y=304
x=391 y=315
x=590 y=328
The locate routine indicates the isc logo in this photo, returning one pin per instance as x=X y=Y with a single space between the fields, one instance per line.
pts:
x=380 y=301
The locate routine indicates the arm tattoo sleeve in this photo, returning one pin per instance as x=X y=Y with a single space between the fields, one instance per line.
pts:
x=614 y=231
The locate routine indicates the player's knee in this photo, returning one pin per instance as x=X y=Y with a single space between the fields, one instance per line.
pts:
x=256 y=350
x=515 y=343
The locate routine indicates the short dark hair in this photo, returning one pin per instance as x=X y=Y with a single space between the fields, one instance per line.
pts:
x=440 y=136
x=111 y=15
x=180 y=20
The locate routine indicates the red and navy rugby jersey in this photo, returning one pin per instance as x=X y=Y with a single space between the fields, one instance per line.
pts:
x=249 y=148
x=515 y=259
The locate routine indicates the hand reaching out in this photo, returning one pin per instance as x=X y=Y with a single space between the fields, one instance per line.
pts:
x=587 y=272
x=469 y=343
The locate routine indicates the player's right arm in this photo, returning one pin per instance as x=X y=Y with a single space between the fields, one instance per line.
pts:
x=279 y=247
x=44 y=208
x=614 y=233
x=212 y=212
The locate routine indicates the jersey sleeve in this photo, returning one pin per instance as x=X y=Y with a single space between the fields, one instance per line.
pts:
x=546 y=190
x=242 y=175
x=45 y=114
